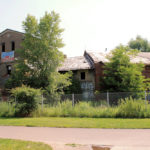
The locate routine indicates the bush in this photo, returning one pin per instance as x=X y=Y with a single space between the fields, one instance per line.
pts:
x=26 y=100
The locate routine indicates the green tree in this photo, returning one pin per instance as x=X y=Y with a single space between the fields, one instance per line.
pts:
x=120 y=75
x=140 y=44
x=75 y=87
x=40 y=57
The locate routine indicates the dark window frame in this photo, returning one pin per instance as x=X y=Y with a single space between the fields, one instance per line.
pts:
x=13 y=45
x=3 y=47
x=82 y=75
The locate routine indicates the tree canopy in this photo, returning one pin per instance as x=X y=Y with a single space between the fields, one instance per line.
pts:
x=39 y=58
x=140 y=44
x=75 y=86
x=120 y=75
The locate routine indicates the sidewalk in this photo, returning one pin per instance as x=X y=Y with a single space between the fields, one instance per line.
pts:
x=117 y=139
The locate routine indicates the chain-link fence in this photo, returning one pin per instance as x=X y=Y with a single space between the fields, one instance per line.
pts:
x=108 y=98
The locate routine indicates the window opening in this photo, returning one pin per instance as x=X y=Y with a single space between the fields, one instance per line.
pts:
x=3 y=47
x=12 y=45
x=9 y=69
x=82 y=75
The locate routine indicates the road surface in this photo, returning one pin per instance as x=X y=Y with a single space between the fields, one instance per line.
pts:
x=118 y=139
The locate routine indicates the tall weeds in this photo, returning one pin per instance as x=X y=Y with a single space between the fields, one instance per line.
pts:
x=128 y=108
x=6 y=109
x=132 y=108
x=81 y=109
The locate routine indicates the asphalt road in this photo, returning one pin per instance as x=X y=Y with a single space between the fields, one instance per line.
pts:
x=130 y=139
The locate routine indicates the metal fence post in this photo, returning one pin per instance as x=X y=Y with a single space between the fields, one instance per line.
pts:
x=73 y=100
x=107 y=98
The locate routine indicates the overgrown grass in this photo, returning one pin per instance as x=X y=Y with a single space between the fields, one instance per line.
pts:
x=81 y=109
x=6 y=109
x=8 y=144
x=128 y=108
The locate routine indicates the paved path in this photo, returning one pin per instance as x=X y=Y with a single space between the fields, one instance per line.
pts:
x=119 y=139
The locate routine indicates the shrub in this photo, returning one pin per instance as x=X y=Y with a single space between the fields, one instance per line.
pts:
x=26 y=99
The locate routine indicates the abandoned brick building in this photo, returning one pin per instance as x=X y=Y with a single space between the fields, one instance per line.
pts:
x=10 y=40
x=87 y=68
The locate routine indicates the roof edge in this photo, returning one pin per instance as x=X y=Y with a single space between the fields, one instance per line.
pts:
x=86 y=54
x=65 y=70
x=6 y=30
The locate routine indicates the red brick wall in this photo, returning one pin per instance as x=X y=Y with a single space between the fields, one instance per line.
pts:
x=8 y=37
x=99 y=67
x=146 y=71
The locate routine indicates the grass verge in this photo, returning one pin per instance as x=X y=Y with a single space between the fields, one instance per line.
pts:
x=78 y=122
x=8 y=144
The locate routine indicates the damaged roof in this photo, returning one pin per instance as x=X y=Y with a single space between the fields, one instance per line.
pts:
x=143 y=57
x=90 y=58
x=75 y=63
x=97 y=56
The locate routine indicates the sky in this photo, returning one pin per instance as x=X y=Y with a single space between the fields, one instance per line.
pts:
x=89 y=24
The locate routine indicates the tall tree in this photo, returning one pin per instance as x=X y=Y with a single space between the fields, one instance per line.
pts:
x=40 y=57
x=75 y=86
x=120 y=75
x=139 y=43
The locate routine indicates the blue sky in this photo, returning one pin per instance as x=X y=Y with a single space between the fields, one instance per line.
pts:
x=89 y=24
